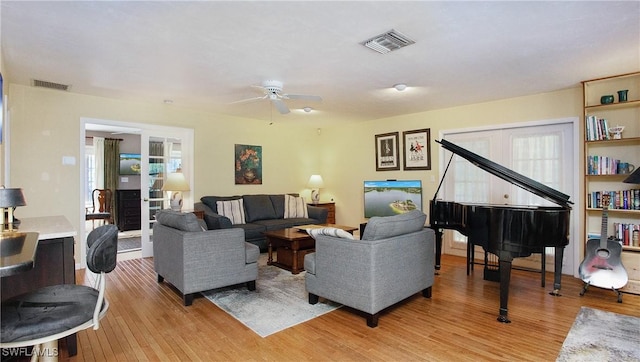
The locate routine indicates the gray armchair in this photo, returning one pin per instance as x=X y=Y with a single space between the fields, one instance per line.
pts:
x=195 y=260
x=394 y=260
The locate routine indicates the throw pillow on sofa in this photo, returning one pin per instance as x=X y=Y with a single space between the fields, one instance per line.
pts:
x=232 y=209
x=295 y=207
x=329 y=231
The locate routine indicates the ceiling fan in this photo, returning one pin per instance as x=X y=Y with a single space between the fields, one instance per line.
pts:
x=272 y=90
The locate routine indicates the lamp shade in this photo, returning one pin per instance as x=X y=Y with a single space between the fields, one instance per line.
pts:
x=315 y=182
x=634 y=178
x=11 y=198
x=175 y=182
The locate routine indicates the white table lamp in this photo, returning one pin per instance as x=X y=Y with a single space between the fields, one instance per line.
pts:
x=315 y=184
x=175 y=183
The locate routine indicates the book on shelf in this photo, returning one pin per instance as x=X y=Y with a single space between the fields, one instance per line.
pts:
x=619 y=200
x=597 y=129
x=627 y=233
x=602 y=165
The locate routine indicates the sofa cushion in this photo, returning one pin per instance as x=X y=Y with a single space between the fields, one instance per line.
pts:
x=258 y=207
x=233 y=209
x=278 y=224
x=215 y=222
x=184 y=221
x=382 y=227
x=278 y=205
x=295 y=207
x=251 y=253
x=211 y=201
x=329 y=231
x=252 y=231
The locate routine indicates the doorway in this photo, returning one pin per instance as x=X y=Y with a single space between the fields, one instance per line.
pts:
x=544 y=151
x=136 y=192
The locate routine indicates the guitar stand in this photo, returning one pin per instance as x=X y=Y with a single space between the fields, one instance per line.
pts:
x=586 y=285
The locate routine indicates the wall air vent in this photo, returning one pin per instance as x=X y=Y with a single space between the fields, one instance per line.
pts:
x=389 y=41
x=50 y=85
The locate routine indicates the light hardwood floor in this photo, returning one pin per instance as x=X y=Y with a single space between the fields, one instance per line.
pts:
x=147 y=321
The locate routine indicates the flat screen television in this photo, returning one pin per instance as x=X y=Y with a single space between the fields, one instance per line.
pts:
x=391 y=197
x=130 y=163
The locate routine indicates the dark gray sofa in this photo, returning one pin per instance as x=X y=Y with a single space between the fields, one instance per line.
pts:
x=262 y=213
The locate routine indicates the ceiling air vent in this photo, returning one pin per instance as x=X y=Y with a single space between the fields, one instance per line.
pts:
x=387 y=42
x=50 y=85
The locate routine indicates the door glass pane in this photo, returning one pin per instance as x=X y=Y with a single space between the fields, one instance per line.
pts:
x=156 y=176
x=165 y=157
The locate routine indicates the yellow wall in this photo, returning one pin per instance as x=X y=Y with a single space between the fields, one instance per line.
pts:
x=349 y=152
x=46 y=127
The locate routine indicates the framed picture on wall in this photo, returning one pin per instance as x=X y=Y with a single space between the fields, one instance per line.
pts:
x=248 y=164
x=387 y=152
x=417 y=149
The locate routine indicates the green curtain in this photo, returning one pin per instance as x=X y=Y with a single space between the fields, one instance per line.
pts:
x=111 y=164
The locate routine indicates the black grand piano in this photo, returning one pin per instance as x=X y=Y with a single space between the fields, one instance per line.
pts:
x=507 y=231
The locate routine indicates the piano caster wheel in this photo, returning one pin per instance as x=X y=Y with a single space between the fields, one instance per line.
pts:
x=556 y=293
x=503 y=319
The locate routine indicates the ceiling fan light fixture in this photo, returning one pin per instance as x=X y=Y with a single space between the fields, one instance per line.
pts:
x=400 y=87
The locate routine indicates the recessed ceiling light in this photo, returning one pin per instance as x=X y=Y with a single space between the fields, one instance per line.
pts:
x=400 y=87
x=307 y=109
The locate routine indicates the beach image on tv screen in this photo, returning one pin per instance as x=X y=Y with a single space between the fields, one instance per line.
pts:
x=388 y=198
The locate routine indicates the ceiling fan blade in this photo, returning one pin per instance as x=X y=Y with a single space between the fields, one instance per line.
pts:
x=302 y=96
x=259 y=88
x=281 y=106
x=250 y=99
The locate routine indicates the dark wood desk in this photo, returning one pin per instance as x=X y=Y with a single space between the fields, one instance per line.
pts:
x=17 y=252
x=54 y=262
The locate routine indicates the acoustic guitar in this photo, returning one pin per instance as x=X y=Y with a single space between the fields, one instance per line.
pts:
x=602 y=266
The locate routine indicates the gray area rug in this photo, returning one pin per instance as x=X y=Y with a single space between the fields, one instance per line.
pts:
x=280 y=301
x=597 y=335
x=127 y=244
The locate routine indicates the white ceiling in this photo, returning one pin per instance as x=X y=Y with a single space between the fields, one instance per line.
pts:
x=207 y=54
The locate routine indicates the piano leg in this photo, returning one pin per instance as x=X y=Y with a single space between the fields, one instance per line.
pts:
x=438 y=247
x=557 y=272
x=543 y=266
x=505 y=278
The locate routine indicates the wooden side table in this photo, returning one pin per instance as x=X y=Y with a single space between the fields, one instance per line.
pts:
x=199 y=213
x=331 y=206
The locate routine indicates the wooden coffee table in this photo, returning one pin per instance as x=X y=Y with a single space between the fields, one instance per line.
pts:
x=292 y=245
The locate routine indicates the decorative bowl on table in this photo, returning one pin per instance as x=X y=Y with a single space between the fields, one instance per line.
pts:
x=616 y=132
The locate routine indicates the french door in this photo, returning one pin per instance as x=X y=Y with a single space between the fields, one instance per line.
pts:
x=543 y=152
x=165 y=150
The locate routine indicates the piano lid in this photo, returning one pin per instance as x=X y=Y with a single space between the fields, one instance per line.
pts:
x=506 y=174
